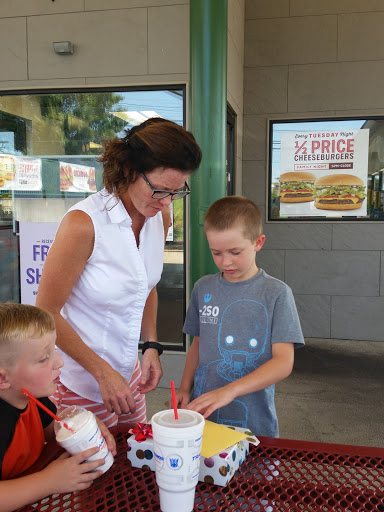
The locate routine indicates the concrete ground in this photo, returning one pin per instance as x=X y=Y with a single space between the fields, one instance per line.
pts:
x=335 y=394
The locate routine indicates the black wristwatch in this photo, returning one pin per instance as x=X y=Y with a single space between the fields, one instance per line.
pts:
x=152 y=344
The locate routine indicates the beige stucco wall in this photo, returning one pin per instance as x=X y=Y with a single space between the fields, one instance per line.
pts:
x=308 y=58
x=119 y=42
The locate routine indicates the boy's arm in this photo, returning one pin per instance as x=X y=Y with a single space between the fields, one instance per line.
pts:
x=274 y=370
x=182 y=396
x=66 y=474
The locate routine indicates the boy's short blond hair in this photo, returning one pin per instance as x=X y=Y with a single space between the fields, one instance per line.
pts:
x=234 y=212
x=19 y=322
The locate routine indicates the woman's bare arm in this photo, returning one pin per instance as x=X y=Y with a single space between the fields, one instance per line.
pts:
x=66 y=260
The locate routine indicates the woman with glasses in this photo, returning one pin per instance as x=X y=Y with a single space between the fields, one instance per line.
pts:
x=99 y=278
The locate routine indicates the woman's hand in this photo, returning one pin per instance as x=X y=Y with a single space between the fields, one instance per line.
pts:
x=116 y=393
x=151 y=370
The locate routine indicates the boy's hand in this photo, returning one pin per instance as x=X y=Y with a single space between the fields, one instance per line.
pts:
x=209 y=402
x=109 y=439
x=182 y=399
x=71 y=473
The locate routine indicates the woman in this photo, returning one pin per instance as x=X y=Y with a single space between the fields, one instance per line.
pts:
x=99 y=278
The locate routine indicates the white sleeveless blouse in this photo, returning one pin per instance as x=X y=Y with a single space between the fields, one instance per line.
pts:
x=106 y=304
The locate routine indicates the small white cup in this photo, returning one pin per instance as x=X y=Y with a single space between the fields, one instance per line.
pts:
x=87 y=434
x=177 y=450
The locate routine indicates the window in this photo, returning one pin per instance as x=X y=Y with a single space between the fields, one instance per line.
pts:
x=49 y=145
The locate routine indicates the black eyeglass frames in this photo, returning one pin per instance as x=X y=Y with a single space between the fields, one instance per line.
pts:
x=161 y=194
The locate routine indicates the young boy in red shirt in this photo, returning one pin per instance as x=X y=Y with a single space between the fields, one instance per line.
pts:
x=28 y=359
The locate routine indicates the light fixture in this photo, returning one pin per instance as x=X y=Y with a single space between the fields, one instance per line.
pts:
x=63 y=47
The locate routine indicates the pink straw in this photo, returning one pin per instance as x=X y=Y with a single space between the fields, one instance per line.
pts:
x=54 y=416
x=174 y=400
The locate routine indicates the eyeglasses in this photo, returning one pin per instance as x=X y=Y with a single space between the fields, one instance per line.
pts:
x=161 y=194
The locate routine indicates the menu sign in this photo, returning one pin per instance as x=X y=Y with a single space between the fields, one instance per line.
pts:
x=20 y=173
x=77 y=178
x=170 y=229
x=324 y=173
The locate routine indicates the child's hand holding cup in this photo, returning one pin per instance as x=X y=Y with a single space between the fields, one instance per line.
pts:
x=85 y=433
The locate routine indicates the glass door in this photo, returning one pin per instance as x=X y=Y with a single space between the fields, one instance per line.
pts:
x=49 y=147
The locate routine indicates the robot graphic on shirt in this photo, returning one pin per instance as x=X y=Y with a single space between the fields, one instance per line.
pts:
x=239 y=356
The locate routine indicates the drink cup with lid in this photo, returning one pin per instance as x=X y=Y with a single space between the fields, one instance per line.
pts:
x=177 y=449
x=85 y=434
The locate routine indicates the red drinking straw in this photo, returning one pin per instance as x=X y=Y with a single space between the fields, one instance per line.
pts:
x=174 y=400
x=54 y=416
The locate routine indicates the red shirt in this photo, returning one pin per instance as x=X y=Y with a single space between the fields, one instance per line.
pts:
x=21 y=436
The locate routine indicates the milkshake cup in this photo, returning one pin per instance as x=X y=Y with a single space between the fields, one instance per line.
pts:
x=177 y=449
x=86 y=435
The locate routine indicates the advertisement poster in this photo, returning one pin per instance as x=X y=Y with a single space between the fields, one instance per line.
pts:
x=77 y=178
x=324 y=173
x=20 y=173
x=170 y=230
x=36 y=239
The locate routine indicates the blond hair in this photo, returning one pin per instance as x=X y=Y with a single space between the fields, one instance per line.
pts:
x=234 y=212
x=21 y=321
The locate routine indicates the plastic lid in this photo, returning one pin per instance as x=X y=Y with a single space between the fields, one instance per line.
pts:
x=69 y=414
x=186 y=419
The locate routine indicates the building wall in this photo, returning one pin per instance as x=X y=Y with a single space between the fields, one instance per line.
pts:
x=119 y=42
x=310 y=58
x=235 y=80
x=116 y=43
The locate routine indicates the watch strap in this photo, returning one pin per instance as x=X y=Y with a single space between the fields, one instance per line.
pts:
x=152 y=344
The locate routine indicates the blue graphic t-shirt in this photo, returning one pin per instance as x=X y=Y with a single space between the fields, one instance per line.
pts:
x=237 y=324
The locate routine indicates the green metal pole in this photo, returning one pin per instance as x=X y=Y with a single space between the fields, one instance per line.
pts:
x=208 y=120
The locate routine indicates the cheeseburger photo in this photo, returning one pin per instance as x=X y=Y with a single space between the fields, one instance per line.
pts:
x=339 y=192
x=296 y=187
x=7 y=168
x=65 y=177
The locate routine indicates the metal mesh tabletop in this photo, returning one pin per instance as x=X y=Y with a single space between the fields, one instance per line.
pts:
x=280 y=475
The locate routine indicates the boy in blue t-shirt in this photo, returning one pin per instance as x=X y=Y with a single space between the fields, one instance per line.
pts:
x=244 y=323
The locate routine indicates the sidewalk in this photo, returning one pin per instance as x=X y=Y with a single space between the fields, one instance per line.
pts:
x=335 y=394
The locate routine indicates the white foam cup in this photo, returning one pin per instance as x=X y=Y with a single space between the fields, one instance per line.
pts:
x=87 y=434
x=177 y=450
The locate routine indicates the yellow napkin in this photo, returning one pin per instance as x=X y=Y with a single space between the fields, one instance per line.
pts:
x=217 y=438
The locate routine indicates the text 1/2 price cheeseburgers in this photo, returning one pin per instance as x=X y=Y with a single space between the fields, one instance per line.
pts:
x=339 y=192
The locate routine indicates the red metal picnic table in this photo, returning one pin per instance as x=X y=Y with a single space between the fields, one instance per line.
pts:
x=280 y=475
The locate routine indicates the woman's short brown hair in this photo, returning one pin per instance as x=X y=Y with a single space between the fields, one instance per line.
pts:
x=154 y=143
x=234 y=212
